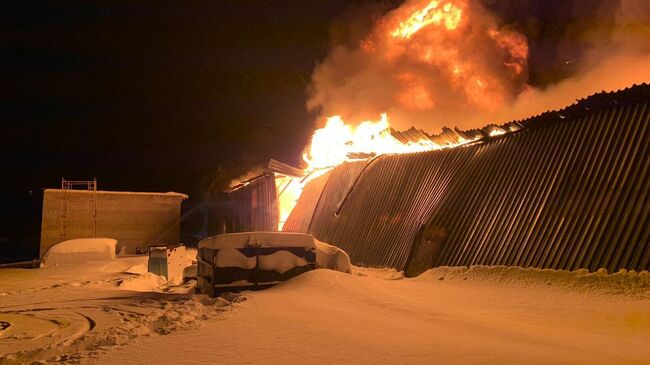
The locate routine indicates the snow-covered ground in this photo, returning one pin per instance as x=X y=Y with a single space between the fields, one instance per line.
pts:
x=447 y=315
x=72 y=313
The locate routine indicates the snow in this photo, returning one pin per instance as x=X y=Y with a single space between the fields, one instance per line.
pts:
x=137 y=269
x=232 y=257
x=332 y=257
x=449 y=315
x=258 y=239
x=280 y=261
x=327 y=256
x=489 y=315
x=68 y=313
x=79 y=251
x=147 y=282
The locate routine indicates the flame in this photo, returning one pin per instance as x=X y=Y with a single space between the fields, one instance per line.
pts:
x=429 y=36
x=448 y=15
x=443 y=57
x=288 y=190
x=430 y=54
x=338 y=142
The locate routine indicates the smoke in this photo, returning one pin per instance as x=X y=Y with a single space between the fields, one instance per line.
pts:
x=250 y=174
x=613 y=72
x=431 y=64
x=615 y=54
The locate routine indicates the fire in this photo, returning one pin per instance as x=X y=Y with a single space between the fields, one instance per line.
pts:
x=335 y=143
x=448 y=15
x=431 y=37
x=438 y=26
x=416 y=95
x=447 y=57
x=288 y=190
x=425 y=61
x=338 y=142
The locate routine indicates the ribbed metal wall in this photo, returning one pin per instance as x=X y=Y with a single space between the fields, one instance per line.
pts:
x=253 y=206
x=570 y=190
x=570 y=195
x=326 y=214
x=300 y=217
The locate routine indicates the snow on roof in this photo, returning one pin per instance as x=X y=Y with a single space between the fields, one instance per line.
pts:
x=169 y=193
x=258 y=239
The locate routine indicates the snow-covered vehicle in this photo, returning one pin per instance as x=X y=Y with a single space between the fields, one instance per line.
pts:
x=80 y=250
x=256 y=260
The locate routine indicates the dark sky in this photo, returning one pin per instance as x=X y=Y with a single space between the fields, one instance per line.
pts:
x=151 y=96
x=170 y=95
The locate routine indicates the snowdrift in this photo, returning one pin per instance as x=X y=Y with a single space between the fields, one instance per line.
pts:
x=79 y=251
x=332 y=257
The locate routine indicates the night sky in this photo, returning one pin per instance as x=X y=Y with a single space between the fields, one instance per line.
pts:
x=181 y=96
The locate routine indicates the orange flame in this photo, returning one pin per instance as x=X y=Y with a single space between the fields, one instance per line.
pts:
x=422 y=45
x=448 y=15
x=439 y=46
x=337 y=143
x=442 y=56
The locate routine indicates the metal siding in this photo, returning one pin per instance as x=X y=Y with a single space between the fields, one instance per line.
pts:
x=300 y=217
x=339 y=183
x=598 y=160
x=376 y=219
x=253 y=207
x=570 y=190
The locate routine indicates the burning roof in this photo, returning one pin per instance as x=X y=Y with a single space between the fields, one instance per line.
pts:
x=338 y=143
x=566 y=190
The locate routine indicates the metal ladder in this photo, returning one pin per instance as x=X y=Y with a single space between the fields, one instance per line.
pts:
x=70 y=211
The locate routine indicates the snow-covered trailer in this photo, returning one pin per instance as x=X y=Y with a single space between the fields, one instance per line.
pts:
x=134 y=219
x=252 y=260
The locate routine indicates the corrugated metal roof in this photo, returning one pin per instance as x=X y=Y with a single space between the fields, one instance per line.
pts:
x=275 y=166
x=568 y=190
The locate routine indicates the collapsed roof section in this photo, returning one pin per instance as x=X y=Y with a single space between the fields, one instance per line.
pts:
x=254 y=204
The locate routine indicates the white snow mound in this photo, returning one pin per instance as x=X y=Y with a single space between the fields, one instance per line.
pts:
x=232 y=257
x=332 y=257
x=79 y=251
x=281 y=261
x=147 y=282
